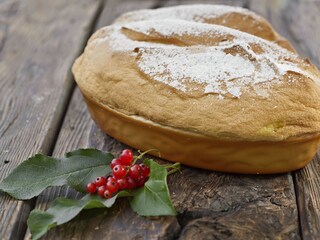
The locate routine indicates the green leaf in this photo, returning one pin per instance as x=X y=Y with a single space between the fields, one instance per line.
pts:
x=63 y=210
x=37 y=173
x=153 y=199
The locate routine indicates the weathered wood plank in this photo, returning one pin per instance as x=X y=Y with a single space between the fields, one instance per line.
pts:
x=77 y=131
x=303 y=21
x=299 y=22
x=38 y=42
x=307 y=182
x=235 y=206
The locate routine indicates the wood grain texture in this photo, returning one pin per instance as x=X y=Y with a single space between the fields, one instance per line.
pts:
x=235 y=206
x=307 y=183
x=38 y=42
x=303 y=20
x=77 y=131
x=299 y=22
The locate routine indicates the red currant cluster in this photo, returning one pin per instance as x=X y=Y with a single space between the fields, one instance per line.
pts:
x=125 y=175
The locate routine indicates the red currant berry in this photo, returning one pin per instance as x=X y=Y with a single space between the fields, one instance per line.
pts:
x=112 y=179
x=114 y=162
x=119 y=171
x=145 y=170
x=135 y=171
x=131 y=183
x=107 y=194
x=126 y=157
x=123 y=183
x=141 y=181
x=101 y=190
x=91 y=188
x=112 y=186
x=100 y=181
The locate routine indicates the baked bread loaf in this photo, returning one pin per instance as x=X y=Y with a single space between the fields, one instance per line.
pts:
x=210 y=86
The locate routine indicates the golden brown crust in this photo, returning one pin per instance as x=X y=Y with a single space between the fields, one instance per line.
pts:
x=204 y=152
x=229 y=16
x=116 y=70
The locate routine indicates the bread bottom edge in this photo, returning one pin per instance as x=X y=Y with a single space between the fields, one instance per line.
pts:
x=204 y=152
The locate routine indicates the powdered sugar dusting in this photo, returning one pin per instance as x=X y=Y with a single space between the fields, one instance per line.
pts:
x=211 y=67
x=224 y=68
x=166 y=27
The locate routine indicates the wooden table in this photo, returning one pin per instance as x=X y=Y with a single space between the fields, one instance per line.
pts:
x=41 y=110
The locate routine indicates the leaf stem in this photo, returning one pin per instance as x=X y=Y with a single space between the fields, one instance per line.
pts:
x=175 y=168
x=173 y=171
x=144 y=153
x=175 y=165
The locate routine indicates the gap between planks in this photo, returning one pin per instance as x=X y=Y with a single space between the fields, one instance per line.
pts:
x=109 y=12
x=45 y=132
x=298 y=21
x=69 y=94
